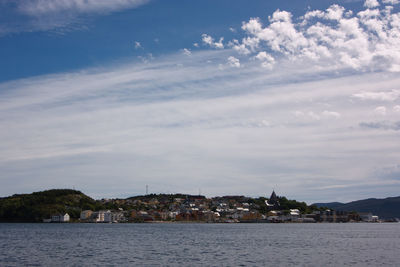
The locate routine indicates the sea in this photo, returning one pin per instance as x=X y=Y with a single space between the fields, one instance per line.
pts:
x=186 y=244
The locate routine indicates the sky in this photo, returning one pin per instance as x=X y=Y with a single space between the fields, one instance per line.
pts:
x=221 y=97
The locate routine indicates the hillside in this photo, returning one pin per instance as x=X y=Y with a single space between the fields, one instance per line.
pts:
x=41 y=205
x=36 y=206
x=387 y=208
x=330 y=205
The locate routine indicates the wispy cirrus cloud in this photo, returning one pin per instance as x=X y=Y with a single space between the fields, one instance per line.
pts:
x=196 y=125
x=380 y=96
x=67 y=15
x=44 y=7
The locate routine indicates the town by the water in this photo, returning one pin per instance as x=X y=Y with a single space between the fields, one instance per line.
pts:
x=228 y=209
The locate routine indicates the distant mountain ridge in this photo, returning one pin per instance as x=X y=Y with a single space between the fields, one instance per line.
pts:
x=329 y=205
x=387 y=208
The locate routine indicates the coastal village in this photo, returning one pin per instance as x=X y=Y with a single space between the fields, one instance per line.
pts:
x=228 y=209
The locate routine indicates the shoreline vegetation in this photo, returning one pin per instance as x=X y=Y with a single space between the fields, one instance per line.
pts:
x=72 y=206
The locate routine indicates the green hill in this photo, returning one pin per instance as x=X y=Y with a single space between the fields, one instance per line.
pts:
x=39 y=205
x=387 y=208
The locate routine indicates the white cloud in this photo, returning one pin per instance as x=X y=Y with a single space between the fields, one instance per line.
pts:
x=391 y=2
x=313 y=14
x=233 y=62
x=348 y=13
x=251 y=44
x=317 y=116
x=146 y=58
x=396 y=108
x=219 y=44
x=267 y=60
x=371 y=3
x=331 y=114
x=380 y=96
x=307 y=115
x=280 y=16
x=186 y=52
x=364 y=41
x=335 y=12
x=253 y=26
x=313 y=115
x=240 y=48
x=138 y=45
x=380 y=110
x=298 y=113
x=208 y=40
x=44 y=7
x=59 y=15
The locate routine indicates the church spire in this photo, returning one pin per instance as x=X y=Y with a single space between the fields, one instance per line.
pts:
x=273 y=197
x=273 y=200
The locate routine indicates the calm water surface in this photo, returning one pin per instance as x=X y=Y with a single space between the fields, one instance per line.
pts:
x=200 y=244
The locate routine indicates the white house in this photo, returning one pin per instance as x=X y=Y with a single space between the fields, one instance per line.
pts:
x=108 y=216
x=102 y=216
x=294 y=214
x=64 y=218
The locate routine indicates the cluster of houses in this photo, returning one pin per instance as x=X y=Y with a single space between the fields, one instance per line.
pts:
x=220 y=209
x=58 y=218
x=103 y=216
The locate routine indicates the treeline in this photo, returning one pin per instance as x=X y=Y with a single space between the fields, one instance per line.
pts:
x=285 y=205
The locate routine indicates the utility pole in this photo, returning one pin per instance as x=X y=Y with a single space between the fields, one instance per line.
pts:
x=147 y=189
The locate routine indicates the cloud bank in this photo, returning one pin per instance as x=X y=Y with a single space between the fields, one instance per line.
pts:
x=226 y=131
x=257 y=114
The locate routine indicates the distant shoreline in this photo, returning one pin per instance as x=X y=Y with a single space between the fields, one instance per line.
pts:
x=197 y=222
x=73 y=206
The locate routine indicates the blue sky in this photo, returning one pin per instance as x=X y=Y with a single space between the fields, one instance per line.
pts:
x=229 y=97
x=31 y=47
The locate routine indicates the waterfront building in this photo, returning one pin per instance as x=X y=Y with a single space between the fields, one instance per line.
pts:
x=117 y=216
x=141 y=216
x=332 y=216
x=108 y=216
x=97 y=216
x=102 y=216
x=368 y=217
x=60 y=218
x=55 y=218
x=294 y=214
x=86 y=214
x=65 y=218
